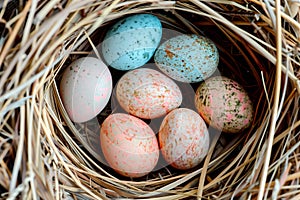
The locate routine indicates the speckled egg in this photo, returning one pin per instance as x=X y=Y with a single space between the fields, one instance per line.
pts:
x=224 y=104
x=85 y=88
x=183 y=138
x=132 y=41
x=187 y=58
x=129 y=145
x=147 y=93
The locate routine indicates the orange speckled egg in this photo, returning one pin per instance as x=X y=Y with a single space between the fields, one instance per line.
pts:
x=183 y=138
x=224 y=104
x=129 y=145
x=147 y=93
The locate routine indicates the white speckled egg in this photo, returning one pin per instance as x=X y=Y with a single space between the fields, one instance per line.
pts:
x=85 y=88
x=224 y=104
x=147 y=93
x=129 y=145
x=187 y=58
x=183 y=138
x=131 y=42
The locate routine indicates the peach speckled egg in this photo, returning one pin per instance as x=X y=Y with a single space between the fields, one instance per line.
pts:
x=147 y=93
x=224 y=104
x=129 y=145
x=183 y=138
x=85 y=88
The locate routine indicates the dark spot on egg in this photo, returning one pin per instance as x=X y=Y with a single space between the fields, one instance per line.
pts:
x=123 y=22
x=146 y=55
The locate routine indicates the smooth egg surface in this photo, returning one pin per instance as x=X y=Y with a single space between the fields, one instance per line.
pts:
x=147 y=93
x=129 y=145
x=85 y=88
x=187 y=58
x=132 y=41
x=183 y=138
x=224 y=104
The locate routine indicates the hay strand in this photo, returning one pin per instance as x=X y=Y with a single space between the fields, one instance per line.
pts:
x=277 y=23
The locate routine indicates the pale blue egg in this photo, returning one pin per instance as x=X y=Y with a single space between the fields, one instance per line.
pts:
x=187 y=58
x=132 y=41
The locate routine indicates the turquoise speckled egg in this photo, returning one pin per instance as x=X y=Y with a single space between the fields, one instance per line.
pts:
x=132 y=41
x=187 y=58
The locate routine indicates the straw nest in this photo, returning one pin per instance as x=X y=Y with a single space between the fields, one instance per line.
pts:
x=44 y=155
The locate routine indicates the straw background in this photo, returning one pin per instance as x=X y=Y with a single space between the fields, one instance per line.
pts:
x=44 y=156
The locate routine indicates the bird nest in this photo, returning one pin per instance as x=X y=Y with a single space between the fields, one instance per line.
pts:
x=45 y=155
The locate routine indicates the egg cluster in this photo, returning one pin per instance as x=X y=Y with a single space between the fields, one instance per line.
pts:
x=129 y=145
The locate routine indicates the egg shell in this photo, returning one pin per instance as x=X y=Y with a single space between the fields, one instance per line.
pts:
x=85 y=88
x=187 y=58
x=224 y=104
x=147 y=93
x=129 y=145
x=183 y=138
x=132 y=41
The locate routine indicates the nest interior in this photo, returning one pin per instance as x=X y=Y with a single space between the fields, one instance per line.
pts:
x=44 y=155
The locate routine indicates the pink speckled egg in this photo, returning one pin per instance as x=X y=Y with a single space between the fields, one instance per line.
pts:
x=129 y=145
x=85 y=88
x=147 y=93
x=224 y=104
x=183 y=138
